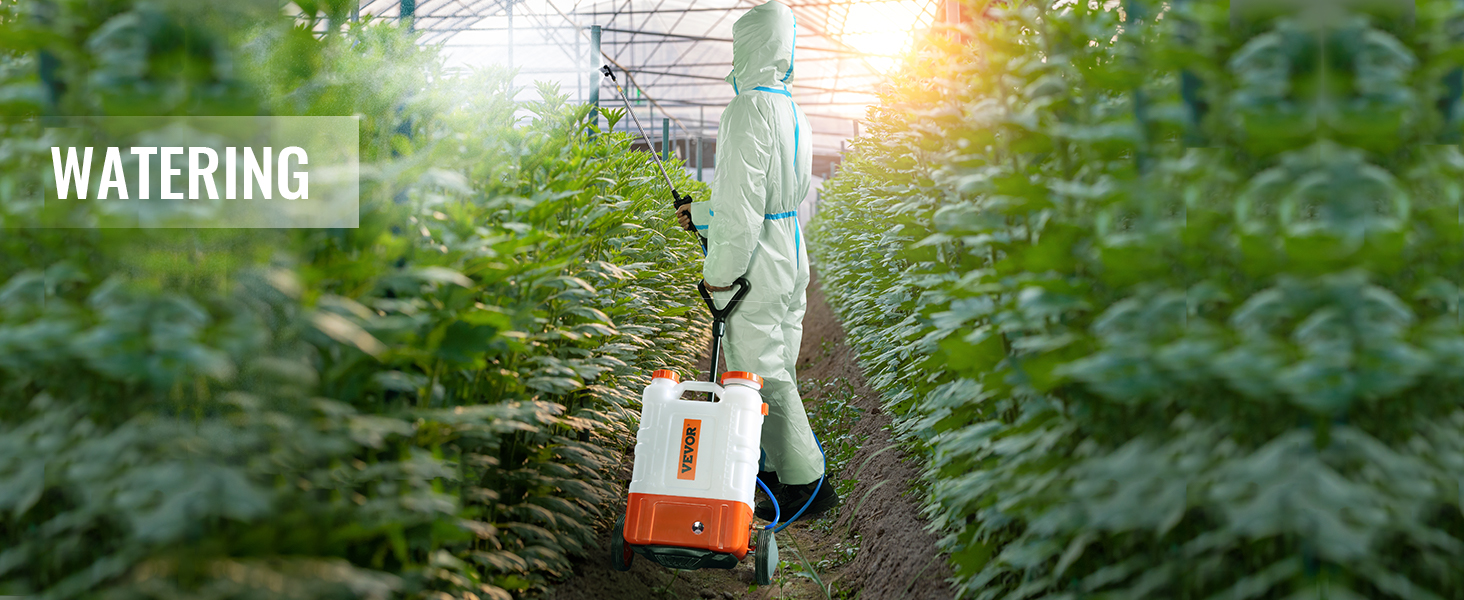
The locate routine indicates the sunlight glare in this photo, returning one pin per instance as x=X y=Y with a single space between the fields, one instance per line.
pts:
x=884 y=28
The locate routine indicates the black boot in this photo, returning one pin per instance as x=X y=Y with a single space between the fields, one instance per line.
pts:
x=770 y=479
x=791 y=498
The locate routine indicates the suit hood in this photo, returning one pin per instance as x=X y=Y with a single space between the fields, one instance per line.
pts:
x=762 y=47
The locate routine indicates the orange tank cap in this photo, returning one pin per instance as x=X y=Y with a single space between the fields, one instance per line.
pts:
x=740 y=375
x=666 y=374
x=765 y=409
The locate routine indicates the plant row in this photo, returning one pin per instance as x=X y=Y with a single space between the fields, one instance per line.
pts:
x=1169 y=301
x=429 y=405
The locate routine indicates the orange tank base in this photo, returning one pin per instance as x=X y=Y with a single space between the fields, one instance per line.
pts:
x=717 y=525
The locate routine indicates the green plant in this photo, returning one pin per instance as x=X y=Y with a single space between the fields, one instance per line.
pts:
x=833 y=418
x=1160 y=348
x=424 y=406
x=805 y=569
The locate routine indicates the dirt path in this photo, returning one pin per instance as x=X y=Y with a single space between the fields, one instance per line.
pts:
x=893 y=557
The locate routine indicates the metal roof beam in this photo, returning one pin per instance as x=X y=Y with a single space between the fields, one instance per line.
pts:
x=852 y=54
x=794 y=5
x=796 y=88
x=698 y=38
x=797 y=84
x=729 y=63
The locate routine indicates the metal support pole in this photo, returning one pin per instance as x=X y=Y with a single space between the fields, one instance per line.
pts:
x=594 y=79
x=48 y=67
x=508 y=6
x=409 y=13
x=579 y=84
x=665 y=139
x=630 y=6
x=356 y=11
x=699 y=163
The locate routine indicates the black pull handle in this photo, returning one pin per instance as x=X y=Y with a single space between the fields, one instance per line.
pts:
x=721 y=315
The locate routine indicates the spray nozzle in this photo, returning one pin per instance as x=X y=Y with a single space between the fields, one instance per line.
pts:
x=606 y=70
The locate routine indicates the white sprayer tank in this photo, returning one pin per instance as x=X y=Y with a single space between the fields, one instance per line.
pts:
x=696 y=463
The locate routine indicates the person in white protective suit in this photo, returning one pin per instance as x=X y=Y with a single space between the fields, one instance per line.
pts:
x=764 y=166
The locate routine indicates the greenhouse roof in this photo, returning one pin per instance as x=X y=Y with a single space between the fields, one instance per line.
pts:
x=676 y=52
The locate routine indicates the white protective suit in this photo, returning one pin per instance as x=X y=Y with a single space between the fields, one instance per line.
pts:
x=764 y=167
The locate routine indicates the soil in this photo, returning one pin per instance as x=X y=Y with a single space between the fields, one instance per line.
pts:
x=897 y=557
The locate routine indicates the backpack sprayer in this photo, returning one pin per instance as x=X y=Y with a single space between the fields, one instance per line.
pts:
x=696 y=462
x=691 y=490
x=690 y=509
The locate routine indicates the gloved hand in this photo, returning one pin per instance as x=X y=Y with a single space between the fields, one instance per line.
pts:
x=683 y=210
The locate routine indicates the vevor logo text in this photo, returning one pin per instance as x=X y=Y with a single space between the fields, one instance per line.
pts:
x=690 y=436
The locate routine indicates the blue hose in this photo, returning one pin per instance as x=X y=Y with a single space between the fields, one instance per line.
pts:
x=778 y=510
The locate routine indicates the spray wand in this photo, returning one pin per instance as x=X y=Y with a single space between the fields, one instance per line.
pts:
x=678 y=199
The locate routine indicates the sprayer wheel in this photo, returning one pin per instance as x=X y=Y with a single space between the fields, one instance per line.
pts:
x=765 y=562
x=620 y=553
